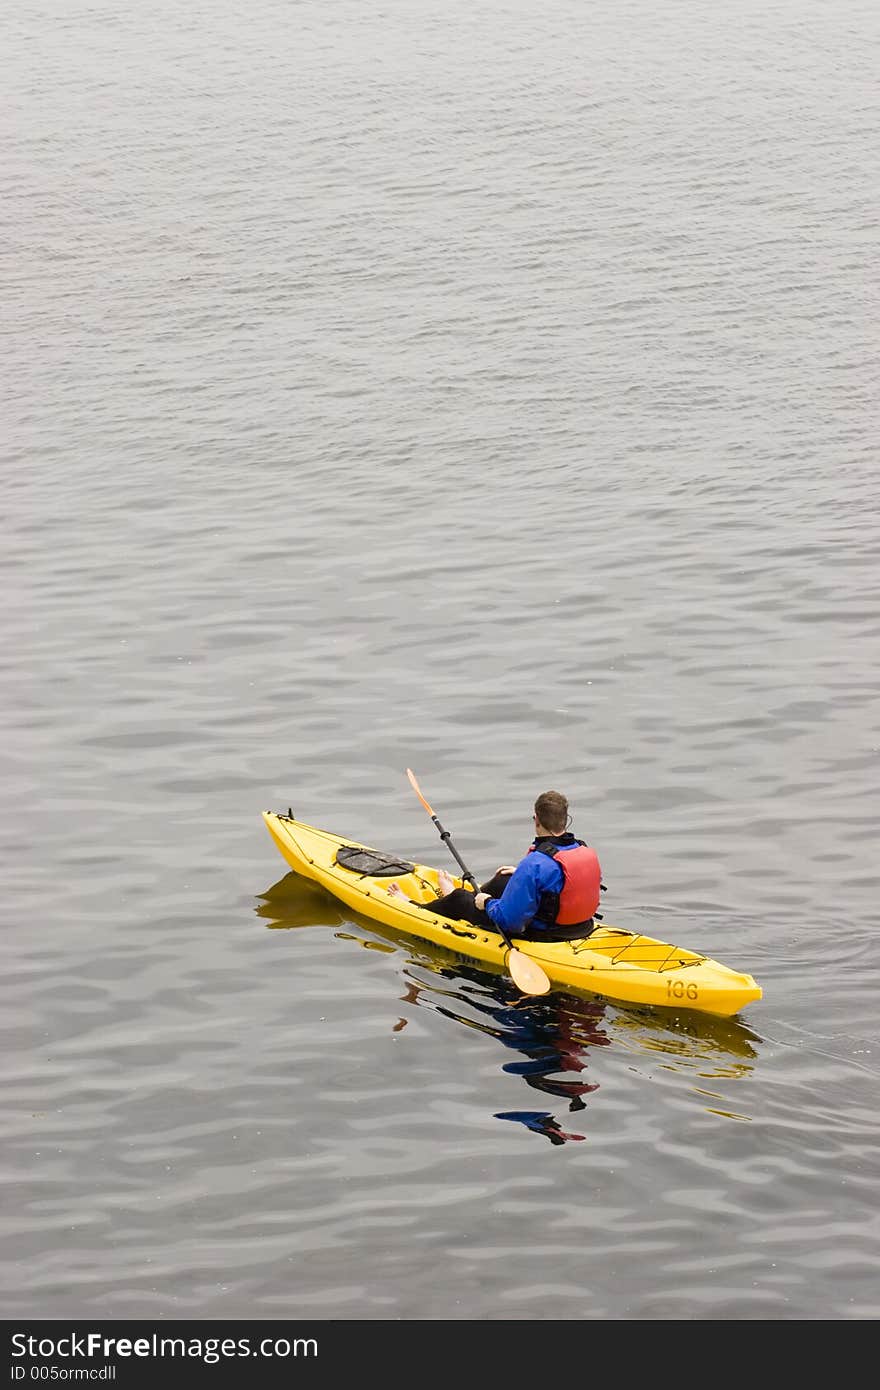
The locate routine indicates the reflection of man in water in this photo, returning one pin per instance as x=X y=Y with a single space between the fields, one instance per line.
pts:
x=552 y=1035
x=541 y=1122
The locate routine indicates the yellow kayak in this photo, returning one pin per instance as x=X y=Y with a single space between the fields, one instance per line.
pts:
x=618 y=964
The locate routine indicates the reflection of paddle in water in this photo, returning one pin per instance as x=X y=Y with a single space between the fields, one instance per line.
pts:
x=411 y=997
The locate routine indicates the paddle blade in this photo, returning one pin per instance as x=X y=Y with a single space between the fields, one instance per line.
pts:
x=417 y=789
x=527 y=973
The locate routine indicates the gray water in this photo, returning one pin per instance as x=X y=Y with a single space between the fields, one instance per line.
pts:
x=490 y=389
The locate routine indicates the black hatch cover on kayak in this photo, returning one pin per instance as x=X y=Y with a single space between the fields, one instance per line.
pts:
x=371 y=863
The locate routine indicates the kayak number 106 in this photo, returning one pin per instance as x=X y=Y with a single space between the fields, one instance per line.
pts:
x=677 y=989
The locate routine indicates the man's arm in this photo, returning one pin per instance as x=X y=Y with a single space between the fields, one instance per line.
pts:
x=518 y=904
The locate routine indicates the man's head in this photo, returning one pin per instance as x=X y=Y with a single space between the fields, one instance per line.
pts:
x=551 y=812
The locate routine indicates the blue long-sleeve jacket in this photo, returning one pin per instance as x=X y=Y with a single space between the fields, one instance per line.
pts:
x=534 y=875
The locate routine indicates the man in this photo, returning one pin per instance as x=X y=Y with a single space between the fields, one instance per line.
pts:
x=552 y=894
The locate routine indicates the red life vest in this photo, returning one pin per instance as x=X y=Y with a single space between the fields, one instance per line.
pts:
x=581 y=889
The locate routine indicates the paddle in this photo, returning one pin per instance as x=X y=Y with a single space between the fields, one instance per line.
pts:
x=525 y=972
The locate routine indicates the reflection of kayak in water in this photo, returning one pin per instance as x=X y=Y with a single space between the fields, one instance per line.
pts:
x=294 y=902
x=483 y=997
x=618 y=964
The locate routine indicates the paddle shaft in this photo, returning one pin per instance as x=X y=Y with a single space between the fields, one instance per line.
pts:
x=445 y=837
x=525 y=972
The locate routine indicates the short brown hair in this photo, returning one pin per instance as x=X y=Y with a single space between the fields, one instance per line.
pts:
x=551 y=808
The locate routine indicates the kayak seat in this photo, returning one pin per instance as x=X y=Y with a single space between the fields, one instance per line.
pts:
x=579 y=932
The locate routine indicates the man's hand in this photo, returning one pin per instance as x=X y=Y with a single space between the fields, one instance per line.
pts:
x=480 y=899
x=505 y=869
